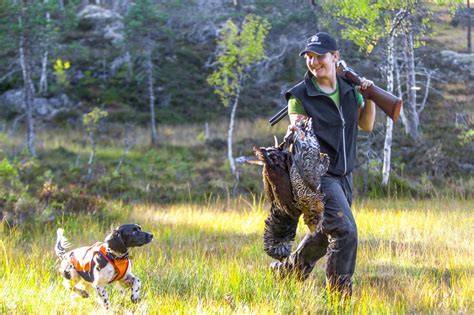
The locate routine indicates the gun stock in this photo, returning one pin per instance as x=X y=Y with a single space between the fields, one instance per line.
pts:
x=389 y=103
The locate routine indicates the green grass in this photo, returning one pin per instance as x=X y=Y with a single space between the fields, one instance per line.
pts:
x=414 y=257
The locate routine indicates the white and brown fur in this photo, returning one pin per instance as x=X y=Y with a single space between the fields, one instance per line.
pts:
x=117 y=244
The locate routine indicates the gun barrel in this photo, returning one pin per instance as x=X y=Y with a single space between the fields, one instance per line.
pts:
x=278 y=116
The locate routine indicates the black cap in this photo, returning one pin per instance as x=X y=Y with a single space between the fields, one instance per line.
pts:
x=320 y=43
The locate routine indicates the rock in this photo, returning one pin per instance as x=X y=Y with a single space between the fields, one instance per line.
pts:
x=100 y=26
x=12 y=100
x=463 y=61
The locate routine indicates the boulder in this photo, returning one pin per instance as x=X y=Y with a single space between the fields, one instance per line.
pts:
x=12 y=100
x=100 y=26
x=462 y=60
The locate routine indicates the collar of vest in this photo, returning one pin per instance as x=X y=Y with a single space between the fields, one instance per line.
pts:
x=311 y=89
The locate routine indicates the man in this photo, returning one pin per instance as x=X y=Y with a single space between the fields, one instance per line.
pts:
x=337 y=110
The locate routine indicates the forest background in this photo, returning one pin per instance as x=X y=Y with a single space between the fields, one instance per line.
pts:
x=115 y=111
x=112 y=99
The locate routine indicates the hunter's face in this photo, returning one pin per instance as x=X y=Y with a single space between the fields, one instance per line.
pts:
x=321 y=65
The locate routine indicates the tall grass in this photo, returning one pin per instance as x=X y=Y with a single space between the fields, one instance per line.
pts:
x=414 y=257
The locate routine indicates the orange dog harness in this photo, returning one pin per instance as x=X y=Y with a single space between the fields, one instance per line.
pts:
x=85 y=259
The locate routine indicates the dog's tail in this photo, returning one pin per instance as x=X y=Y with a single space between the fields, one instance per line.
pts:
x=61 y=244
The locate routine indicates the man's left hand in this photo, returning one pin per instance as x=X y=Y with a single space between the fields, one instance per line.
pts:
x=365 y=83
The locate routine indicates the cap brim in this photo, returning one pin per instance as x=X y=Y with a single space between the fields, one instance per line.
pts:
x=316 y=50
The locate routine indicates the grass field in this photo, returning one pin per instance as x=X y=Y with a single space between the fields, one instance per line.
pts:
x=414 y=257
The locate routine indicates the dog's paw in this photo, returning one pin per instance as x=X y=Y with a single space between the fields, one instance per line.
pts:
x=135 y=298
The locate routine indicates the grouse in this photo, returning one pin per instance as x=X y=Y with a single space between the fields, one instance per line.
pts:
x=291 y=178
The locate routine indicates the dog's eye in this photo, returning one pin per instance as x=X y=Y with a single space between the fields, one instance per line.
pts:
x=135 y=232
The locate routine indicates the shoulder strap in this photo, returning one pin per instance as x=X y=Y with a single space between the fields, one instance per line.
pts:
x=120 y=265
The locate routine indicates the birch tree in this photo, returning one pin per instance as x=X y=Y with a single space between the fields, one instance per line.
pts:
x=387 y=148
x=43 y=82
x=26 y=56
x=24 y=27
x=468 y=33
x=91 y=123
x=238 y=50
x=144 y=23
x=367 y=23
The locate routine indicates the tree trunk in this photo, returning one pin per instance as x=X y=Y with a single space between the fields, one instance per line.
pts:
x=28 y=88
x=231 y=130
x=403 y=117
x=410 y=106
x=128 y=77
x=387 y=148
x=469 y=42
x=151 y=94
x=43 y=83
x=91 y=156
x=128 y=142
x=206 y=131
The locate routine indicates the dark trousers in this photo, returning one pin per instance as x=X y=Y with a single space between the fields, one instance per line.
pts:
x=336 y=237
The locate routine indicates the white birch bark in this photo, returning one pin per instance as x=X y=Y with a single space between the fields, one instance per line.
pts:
x=468 y=33
x=151 y=95
x=410 y=106
x=403 y=117
x=92 y=155
x=128 y=143
x=231 y=130
x=28 y=88
x=128 y=78
x=429 y=73
x=387 y=148
x=43 y=83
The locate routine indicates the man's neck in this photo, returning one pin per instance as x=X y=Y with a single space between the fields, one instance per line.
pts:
x=327 y=85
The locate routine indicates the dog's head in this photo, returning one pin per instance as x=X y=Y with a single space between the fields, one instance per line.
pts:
x=126 y=236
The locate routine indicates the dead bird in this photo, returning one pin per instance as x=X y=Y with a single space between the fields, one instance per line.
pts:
x=291 y=179
x=308 y=165
x=282 y=221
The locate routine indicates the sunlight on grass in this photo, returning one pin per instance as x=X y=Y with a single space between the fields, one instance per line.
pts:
x=413 y=257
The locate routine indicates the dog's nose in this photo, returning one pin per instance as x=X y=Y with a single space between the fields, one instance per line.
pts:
x=149 y=236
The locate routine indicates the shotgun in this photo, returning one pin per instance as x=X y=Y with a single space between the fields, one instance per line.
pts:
x=389 y=103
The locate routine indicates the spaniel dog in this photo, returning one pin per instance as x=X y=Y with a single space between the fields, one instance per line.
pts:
x=102 y=263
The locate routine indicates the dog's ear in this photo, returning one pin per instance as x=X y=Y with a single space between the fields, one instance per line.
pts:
x=115 y=242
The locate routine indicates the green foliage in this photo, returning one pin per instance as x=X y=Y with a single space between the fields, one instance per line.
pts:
x=9 y=12
x=364 y=22
x=7 y=171
x=60 y=68
x=144 y=25
x=88 y=88
x=92 y=119
x=367 y=22
x=466 y=137
x=72 y=198
x=238 y=50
